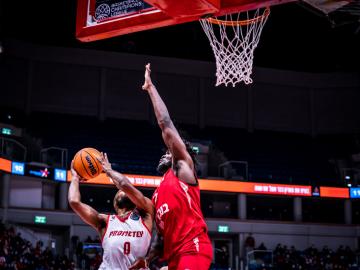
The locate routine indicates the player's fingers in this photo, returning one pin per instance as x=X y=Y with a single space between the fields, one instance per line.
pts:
x=100 y=158
x=72 y=169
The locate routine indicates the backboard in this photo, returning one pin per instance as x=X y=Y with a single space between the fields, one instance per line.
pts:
x=100 y=19
x=327 y=6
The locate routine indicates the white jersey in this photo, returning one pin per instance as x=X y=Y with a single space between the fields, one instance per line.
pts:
x=124 y=241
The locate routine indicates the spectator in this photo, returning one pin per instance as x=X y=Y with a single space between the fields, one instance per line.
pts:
x=313 y=259
x=88 y=239
x=249 y=243
x=18 y=254
x=222 y=258
x=261 y=247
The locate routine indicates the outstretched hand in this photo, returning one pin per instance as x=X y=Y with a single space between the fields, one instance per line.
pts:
x=139 y=264
x=104 y=161
x=147 y=83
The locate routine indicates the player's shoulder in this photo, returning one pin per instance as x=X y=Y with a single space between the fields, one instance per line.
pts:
x=111 y=217
x=144 y=217
x=185 y=173
x=103 y=219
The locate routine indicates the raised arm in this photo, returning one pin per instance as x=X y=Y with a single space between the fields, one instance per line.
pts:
x=170 y=134
x=86 y=212
x=123 y=183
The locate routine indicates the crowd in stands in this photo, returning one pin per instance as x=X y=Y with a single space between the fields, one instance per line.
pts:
x=87 y=254
x=17 y=253
x=314 y=259
x=290 y=258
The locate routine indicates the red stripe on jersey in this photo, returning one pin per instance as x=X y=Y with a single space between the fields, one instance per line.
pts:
x=142 y=221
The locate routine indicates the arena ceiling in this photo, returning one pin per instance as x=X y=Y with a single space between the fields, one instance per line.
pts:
x=298 y=36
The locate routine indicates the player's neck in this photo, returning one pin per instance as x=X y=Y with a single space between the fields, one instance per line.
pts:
x=123 y=212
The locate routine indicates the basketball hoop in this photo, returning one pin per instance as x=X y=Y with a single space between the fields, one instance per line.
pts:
x=233 y=40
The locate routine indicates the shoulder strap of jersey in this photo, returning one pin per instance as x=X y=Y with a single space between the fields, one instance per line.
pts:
x=146 y=227
x=107 y=225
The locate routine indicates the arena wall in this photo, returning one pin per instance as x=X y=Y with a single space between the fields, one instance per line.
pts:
x=107 y=84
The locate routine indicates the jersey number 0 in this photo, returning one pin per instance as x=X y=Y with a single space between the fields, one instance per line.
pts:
x=126 y=248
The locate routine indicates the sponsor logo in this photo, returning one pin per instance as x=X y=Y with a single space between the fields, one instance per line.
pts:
x=40 y=173
x=102 y=12
x=135 y=216
x=196 y=242
x=137 y=234
x=91 y=165
x=279 y=189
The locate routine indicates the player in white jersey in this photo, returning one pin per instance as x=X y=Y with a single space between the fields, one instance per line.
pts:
x=126 y=235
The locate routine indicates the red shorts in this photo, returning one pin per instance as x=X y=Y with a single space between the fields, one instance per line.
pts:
x=193 y=261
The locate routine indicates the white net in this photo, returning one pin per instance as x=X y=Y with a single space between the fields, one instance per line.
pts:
x=233 y=41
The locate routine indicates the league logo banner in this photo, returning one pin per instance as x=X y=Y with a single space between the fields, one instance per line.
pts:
x=106 y=9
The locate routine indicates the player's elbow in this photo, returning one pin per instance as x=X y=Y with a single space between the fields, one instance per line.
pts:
x=164 y=122
x=74 y=203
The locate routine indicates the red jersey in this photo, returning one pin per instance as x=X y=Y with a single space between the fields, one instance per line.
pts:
x=179 y=218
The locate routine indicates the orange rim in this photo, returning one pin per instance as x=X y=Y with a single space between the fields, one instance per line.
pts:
x=240 y=23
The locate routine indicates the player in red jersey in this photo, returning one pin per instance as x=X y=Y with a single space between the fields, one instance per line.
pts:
x=179 y=219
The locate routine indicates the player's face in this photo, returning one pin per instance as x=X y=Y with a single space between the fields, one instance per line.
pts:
x=165 y=162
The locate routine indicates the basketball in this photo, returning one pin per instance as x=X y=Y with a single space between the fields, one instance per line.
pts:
x=86 y=163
